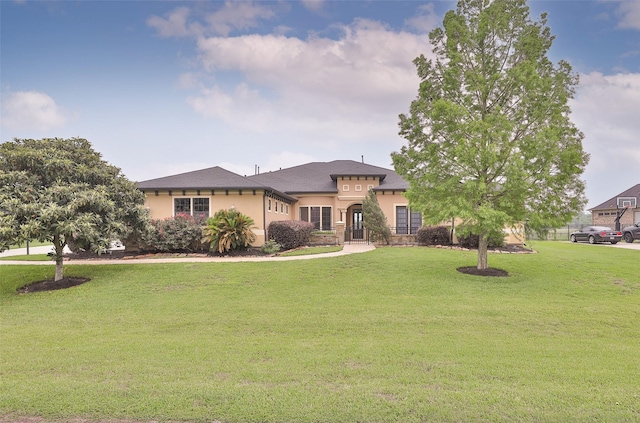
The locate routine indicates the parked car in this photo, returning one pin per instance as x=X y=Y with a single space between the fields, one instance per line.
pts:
x=631 y=232
x=595 y=234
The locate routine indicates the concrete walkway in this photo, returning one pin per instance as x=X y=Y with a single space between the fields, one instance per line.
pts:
x=347 y=249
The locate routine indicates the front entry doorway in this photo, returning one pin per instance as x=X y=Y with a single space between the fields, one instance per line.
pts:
x=358 y=232
x=355 y=232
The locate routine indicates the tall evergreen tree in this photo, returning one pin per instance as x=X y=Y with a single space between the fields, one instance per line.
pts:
x=489 y=135
x=374 y=219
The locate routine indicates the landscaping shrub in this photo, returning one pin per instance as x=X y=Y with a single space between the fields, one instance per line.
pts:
x=496 y=240
x=270 y=247
x=229 y=230
x=181 y=233
x=290 y=233
x=433 y=235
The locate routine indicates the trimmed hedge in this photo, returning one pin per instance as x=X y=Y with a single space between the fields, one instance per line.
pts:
x=290 y=233
x=433 y=235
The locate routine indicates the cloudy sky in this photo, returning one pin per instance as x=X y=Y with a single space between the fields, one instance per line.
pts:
x=162 y=87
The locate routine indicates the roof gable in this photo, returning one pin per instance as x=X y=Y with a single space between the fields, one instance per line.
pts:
x=611 y=203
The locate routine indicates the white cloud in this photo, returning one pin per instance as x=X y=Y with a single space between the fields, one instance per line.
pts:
x=237 y=15
x=426 y=20
x=313 y=5
x=25 y=110
x=174 y=25
x=231 y=16
x=242 y=104
x=629 y=13
x=189 y=80
x=606 y=110
x=368 y=71
x=339 y=96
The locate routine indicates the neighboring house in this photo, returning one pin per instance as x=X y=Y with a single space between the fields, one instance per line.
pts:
x=605 y=214
x=319 y=192
x=327 y=194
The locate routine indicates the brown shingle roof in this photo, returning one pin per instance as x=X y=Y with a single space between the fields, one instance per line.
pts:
x=611 y=203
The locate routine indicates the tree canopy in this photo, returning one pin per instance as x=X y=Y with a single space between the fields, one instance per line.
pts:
x=61 y=191
x=489 y=136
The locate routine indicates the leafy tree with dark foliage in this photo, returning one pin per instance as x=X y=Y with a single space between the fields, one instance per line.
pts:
x=489 y=136
x=60 y=191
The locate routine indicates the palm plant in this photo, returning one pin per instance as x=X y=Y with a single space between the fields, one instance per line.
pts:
x=229 y=230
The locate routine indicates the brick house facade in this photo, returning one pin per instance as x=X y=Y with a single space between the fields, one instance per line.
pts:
x=605 y=213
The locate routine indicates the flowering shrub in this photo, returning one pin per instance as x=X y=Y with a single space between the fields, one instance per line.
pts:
x=181 y=233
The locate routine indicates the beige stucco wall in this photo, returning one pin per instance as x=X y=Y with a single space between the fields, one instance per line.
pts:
x=161 y=205
x=315 y=200
x=280 y=210
x=356 y=186
x=388 y=201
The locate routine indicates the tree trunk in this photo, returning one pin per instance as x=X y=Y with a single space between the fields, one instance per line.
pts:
x=482 y=252
x=59 y=246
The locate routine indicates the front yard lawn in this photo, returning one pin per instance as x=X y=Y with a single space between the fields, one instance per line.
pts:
x=392 y=335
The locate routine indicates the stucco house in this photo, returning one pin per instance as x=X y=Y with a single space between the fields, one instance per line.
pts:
x=325 y=193
x=328 y=194
x=604 y=214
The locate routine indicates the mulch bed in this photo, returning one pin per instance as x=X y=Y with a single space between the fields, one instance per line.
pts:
x=129 y=255
x=472 y=270
x=51 y=285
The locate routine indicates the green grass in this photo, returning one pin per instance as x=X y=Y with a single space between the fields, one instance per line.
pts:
x=393 y=335
x=312 y=250
x=31 y=244
x=30 y=257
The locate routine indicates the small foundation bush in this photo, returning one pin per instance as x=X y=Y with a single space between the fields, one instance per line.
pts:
x=270 y=247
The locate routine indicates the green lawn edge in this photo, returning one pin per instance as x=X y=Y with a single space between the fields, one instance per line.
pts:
x=392 y=335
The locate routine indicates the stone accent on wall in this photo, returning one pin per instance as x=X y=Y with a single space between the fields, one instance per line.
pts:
x=324 y=239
